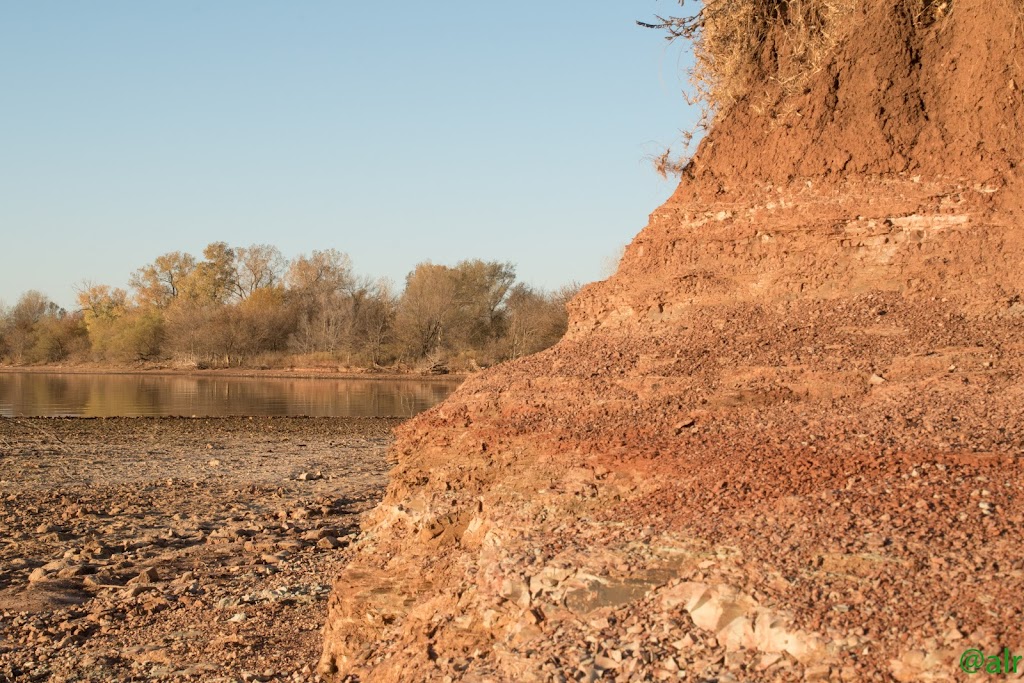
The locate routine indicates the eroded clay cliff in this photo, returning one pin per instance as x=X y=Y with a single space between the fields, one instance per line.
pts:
x=784 y=442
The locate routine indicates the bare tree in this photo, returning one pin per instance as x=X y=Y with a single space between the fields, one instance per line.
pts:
x=482 y=287
x=536 y=319
x=257 y=267
x=321 y=272
x=427 y=310
x=375 y=321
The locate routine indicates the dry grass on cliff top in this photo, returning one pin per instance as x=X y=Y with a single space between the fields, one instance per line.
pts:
x=769 y=49
x=742 y=47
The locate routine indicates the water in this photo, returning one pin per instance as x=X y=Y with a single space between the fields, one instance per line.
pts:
x=28 y=394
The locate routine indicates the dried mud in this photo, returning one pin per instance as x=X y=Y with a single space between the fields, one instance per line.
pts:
x=176 y=549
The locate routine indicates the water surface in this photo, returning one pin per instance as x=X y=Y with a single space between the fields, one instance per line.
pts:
x=28 y=394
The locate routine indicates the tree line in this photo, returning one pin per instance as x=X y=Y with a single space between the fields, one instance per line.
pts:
x=249 y=306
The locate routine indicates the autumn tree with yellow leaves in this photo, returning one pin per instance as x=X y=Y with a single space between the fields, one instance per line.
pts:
x=250 y=306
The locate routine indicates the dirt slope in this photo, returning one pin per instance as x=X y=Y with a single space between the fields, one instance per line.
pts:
x=784 y=442
x=933 y=91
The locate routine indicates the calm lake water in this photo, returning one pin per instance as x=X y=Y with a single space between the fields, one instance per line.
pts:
x=54 y=394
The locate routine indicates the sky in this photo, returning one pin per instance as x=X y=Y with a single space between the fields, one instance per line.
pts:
x=396 y=132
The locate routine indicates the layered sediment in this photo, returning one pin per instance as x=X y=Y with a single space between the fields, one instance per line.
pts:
x=784 y=442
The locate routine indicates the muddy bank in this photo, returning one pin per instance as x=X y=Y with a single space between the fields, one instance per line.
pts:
x=159 y=548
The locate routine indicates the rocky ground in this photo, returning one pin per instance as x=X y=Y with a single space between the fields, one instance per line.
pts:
x=867 y=540
x=167 y=548
x=784 y=442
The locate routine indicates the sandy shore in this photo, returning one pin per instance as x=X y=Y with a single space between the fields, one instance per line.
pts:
x=165 y=548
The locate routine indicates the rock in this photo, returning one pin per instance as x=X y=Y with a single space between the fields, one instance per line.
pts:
x=687 y=642
x=819 y=672
x=97 y=550
x=233 y=639
x=146 y=576
x=148 y=654
x=70 y=572
x=314 y=534
x=135 y=590
x=685 y=424
x=516 y=590
x=329 y=543
x=100 y=579
x=154 y=604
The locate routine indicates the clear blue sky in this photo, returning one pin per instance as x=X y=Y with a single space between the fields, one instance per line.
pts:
x=396 y=132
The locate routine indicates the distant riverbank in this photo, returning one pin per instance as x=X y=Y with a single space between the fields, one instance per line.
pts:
x=268 y=373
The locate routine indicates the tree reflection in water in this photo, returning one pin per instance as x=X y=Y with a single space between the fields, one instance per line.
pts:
x=52 y=394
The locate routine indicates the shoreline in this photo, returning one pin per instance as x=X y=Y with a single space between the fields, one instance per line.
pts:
x=298 y=373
